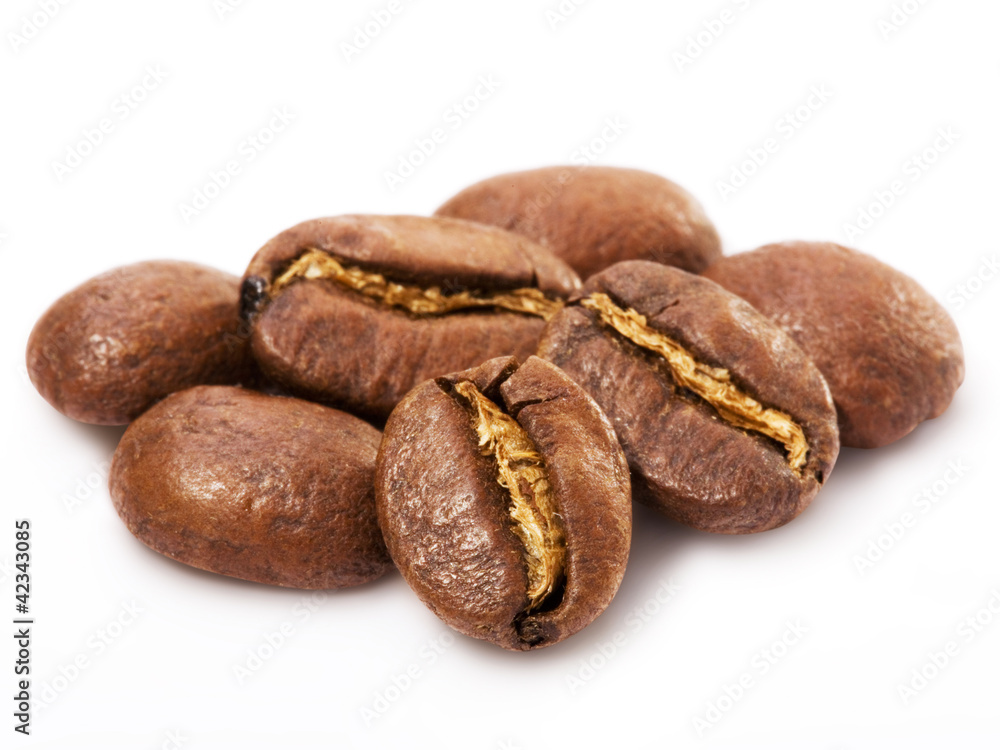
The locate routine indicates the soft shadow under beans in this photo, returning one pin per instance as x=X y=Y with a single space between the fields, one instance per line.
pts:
x=107 y=438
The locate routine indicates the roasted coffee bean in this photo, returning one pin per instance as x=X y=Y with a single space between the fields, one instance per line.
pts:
x=356 y=310
x=504 y=499
x=592 y=217
x=890 y=353
x=727 y=426
x=264 y=488
x=109 y=349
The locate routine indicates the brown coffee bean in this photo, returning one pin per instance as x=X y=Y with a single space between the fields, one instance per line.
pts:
x=109 y=349
x=592 y=217
x=356 y=310
x=890 y=353
x=504 y=499
x=727 y=426
x=264 y=488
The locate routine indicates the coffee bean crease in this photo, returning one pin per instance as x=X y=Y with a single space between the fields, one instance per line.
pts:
x=316 y=264
x=521 y=471
x=712 y=384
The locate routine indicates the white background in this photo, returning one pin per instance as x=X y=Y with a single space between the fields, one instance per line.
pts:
x=167 y=679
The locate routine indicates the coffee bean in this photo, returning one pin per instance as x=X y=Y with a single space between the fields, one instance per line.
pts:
x=109 y=349
x=356 y=310
x=890 y=353
x=264 y=488
x=592 y=217
x=504 y=499
x=727 y=426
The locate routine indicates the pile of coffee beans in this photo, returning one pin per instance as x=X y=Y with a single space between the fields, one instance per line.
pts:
x=445 y=395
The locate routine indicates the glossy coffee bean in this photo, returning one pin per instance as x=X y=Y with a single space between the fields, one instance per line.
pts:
x=727 y=425
x=357 y=310
x=112 y=347
x=592 y=217
x=263 y=488
x=890 y=353
x=504 y=499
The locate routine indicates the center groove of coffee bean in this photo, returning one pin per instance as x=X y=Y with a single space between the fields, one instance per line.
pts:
x=712 y=384
x=521 y=471
x=316 y=264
